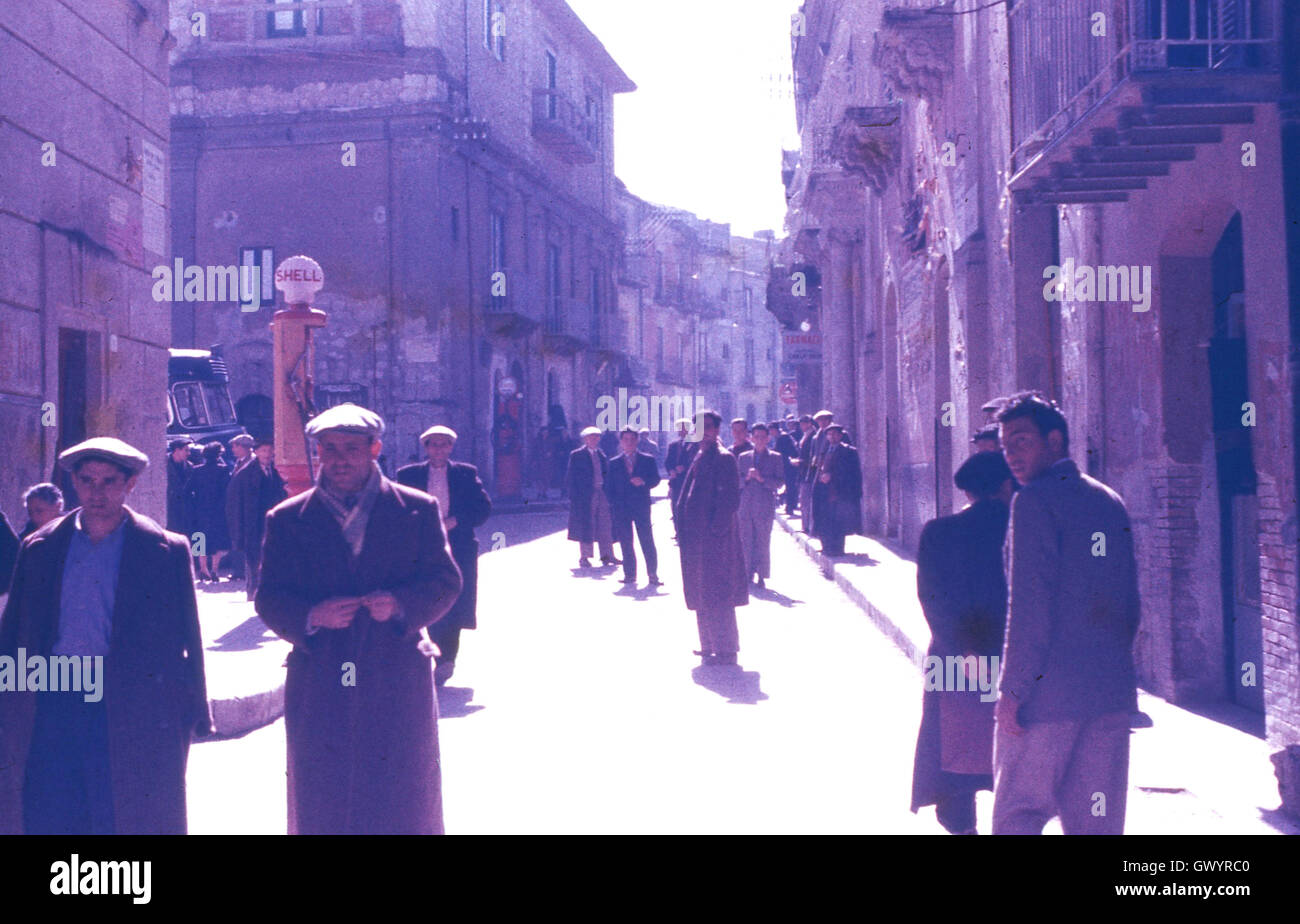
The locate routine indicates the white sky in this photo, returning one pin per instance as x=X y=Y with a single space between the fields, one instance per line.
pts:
x=713 y=108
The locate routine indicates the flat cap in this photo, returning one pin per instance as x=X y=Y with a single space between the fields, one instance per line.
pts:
x=177 y=442
x=835 y=426
x=104 y=449
x=243 y=440
x=438 y=430
x=590 y=431
x=346 y=418
x=822 y=413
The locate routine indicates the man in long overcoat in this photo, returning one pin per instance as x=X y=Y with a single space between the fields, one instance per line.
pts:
x=787 y=447
x=102 y=585
x=807 y=444
x=352 y=570
x=963 y=593
x=840 y=477
x=178 y=475
x=708 y=538
x=632 y=474
x=254 y=489
x=816 y=468
x=465 y=506
x=589 y=517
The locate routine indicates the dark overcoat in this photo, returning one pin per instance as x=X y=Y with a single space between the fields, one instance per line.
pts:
x=471 y=507
x=8 y=552
x=178 y=474
x=359 y=710
x=680 y=454
x=205 y=496
x=838 y=504
x=580 y=482
x=626 y=500
x=154 y=688
x=363 y=756
x=248 y=498
x=963 y=593
x=708 y=533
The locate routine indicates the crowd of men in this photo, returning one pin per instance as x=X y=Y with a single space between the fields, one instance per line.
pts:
x=372 y=580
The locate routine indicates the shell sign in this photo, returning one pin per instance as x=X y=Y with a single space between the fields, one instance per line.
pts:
x=299 y=278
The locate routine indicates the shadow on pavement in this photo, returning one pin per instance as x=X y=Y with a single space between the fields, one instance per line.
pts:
x=735 y=683
x=249 y=635
x=646 y=592
x=455 y=702
x=595 y=571
x=772 y=596
x=854 y=558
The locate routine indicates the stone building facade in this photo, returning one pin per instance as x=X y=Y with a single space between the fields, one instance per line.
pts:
x=450 y=166
x=979 y=229
x=695 y=299
x=83 y=219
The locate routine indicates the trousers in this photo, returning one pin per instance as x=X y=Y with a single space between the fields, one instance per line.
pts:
x=623 y=533
x=67 y=787
x=718 y=631
x=756 y=516
x=1077 y=770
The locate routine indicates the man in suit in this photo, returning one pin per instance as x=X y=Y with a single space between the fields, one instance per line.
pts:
x=680 y=453
x=254 y=489
x=807 y=443
x=589 y=518
x=242 y=448
x=840 y=477
x=713 y=563
x=1068 y=684
x=963 y=593
x=631 y=476
x=352 y=570
x=761 y=473
x=465 y=506
x=99 y=586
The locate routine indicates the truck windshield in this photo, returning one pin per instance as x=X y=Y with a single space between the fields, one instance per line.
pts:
x=189 y=404
x=220 y=410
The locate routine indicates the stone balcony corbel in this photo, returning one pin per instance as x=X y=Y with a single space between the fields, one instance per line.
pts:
x=914 y=51
x=867 y=142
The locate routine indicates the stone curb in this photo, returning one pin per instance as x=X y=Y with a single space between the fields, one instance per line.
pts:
x=241 y=714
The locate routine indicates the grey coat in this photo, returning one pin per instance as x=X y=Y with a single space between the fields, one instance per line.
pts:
x=1073 y=614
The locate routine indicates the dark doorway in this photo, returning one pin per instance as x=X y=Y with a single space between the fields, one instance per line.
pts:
x=1235 y=468
x=79 y=367
x=256 y=414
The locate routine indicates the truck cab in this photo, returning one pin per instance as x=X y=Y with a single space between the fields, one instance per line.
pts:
x=198 y=397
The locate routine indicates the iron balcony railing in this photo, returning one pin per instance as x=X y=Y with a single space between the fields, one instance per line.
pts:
x=559 y=123
x=570 y=317
x=1065 y=60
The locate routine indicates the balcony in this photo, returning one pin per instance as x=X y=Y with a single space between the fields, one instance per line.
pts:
x=1096 y=118
x=568 y=326
x=638 y=265
x=561 y=126
x=511 y=316
x=791 y=309
x=322 y=25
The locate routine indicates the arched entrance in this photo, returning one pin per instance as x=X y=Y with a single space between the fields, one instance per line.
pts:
x=256 y=414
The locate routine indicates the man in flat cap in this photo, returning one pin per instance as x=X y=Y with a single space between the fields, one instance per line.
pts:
x=761 y=472
x=840 y=479
x=713 y=563
x=803 y=462
x=465 y=506
x=179 y=469
x=589 y=517
x=84 y=751
x=786 y=444
x=817 y=494
x=352 y=570
x=254 y=490
x=242 y=447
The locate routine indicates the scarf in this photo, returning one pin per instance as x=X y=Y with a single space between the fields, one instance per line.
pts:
x=352 y=511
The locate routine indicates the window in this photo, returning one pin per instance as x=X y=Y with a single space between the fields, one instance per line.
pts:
x=595 y=291
x=659 y=347
x=749 y=305
x=726 y=351
x=288 y=23
x=494 y=28
x=749 y=362
x=189 y=404
x=497 y=256
x=455 y=225
x=217 y=398
x=552 y=84
x=263 y=260
x=553 y=280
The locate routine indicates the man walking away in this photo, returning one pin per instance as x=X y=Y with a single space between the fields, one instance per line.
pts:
x=761 y=472
x=589 y=520
x=465 y=506
x=788 y=449
x=631 y=476
x=1068 y=682
x=352 y=570
x=963 y=593
x=713 y=564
